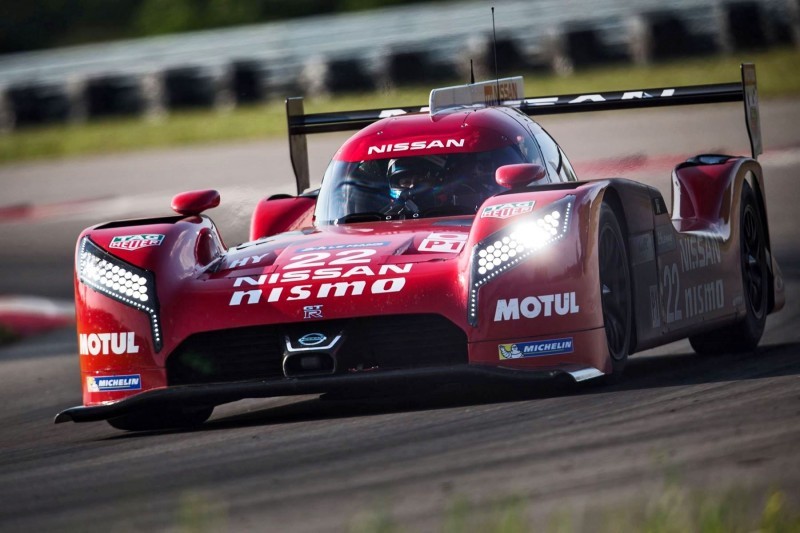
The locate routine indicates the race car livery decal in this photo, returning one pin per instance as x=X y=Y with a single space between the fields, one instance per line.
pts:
x=320 y=273
x=508 y=210
x=697 y=300
x=535 y=348
x=534 y=306
x=704 y=298
x=698 y=252
x=345 y=246
x=325 y=290
x=665 y=238
x=416 y=145
x=135 y=242
x=312 y=311
x=655 y=314
x=553 y=100
x=107 y=343
x=451 y=243
x=249 y=260
x=642 y=249
x=113 y=383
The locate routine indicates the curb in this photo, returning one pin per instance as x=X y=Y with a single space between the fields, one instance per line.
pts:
x=21 y=316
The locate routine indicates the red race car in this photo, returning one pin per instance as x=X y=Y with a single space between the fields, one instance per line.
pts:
x=451 y=242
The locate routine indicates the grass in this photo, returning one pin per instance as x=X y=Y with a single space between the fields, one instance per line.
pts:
x=778 y=75
x=674 y=510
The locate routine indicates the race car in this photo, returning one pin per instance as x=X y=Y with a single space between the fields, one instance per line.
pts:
x=451 y=242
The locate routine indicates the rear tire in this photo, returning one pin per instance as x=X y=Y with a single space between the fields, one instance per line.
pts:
x=743 y=336
x=615 y=287
x=163 y=418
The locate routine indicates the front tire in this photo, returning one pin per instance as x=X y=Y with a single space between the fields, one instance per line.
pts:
x=743 y=336
x=615 y=287
x=162 y=418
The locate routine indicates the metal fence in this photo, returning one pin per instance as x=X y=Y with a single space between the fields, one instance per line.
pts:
x=386 y=47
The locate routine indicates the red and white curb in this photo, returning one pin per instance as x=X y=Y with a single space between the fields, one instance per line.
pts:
x=27 y=315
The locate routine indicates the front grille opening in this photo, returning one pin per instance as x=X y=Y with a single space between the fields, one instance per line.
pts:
x=402 y=341
x=370 y=343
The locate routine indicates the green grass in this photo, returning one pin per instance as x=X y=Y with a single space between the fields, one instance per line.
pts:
x=674 y=510
x=778 y=75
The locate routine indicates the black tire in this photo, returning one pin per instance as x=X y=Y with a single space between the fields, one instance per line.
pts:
x=162 y=418
x=615 y=287
x=743 y=336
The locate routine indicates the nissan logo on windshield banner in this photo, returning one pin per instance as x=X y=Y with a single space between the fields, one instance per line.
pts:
x=312 y=339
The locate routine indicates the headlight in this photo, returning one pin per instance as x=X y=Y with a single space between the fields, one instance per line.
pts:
x=513 y=244
x=120 y=281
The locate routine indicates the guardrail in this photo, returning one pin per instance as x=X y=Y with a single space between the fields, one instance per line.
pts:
x=422 y=43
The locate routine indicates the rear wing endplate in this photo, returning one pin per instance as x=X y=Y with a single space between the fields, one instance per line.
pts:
x=301 y=124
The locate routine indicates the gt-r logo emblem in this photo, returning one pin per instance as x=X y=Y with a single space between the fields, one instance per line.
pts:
x=312 y=311
x=508 y=210
x=312 y=339
x=135 y=242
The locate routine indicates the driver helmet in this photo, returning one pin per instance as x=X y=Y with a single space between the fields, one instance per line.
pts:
x=410 y=175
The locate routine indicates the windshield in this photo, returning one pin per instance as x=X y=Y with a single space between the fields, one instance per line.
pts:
x=411 y=187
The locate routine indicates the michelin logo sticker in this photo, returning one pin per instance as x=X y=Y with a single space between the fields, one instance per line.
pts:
x=535 y=348
x=113 y=383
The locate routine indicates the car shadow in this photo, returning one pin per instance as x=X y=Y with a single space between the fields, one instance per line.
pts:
x=644 y=372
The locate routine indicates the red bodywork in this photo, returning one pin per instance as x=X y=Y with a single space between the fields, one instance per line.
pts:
x=684 y=267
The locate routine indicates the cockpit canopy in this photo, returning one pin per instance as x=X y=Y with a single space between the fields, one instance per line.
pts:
x=384 y=173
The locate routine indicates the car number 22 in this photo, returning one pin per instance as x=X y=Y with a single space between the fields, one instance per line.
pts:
x=318 y=259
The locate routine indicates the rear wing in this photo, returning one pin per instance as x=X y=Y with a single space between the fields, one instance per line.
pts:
x=301 y=124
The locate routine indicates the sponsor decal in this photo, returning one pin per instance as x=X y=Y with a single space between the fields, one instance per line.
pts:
x=699 y=252
x=416 y=145
x=324 y=290
x=510 y=209
x=312 y=339
x=665 y=238
x=659 y=207
x=655 y=315
x=670 y=292
x=249 y=260
x=135 y=242
x=642 y=248
x=535 y=306
x=697 y=300
x=535 y=348
x=345 y=246
x=312 y=311
x=704 y=298
x=629 y=95
x=113 y=383
x=451 y=243
x=107 y=343
x=507 y=89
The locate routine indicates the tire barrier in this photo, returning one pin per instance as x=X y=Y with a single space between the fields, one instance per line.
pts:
x=114 y=95
x=197 y=87
x=249 y=80
x=40 y=103
x=390 y=47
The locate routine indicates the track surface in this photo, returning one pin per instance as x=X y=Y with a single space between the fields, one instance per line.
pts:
x=304 y=464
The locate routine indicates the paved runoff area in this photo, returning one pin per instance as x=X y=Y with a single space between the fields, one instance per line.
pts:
x=308 y=464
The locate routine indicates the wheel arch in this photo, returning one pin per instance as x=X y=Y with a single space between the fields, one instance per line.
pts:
x=613 y=195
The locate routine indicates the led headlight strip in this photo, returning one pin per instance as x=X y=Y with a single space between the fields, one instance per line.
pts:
x=513 y=244
x=120 y=281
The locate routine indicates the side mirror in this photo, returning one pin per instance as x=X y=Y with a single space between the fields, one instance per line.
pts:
x=195 y=202
x=519 y=175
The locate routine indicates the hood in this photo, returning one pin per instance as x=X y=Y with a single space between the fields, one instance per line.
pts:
x=355 y=248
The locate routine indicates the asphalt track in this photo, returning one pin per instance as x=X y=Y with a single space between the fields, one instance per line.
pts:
x=306 y=464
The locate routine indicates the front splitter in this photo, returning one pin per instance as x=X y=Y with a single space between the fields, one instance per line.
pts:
x=221 y=393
